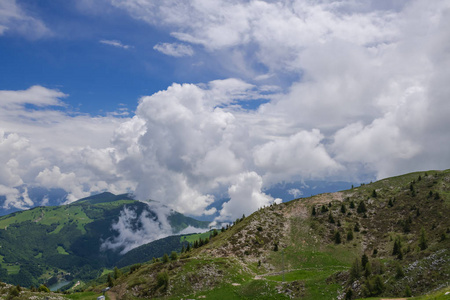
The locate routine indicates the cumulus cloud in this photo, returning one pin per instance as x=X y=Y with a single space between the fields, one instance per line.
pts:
x=43 y=144
x=174 y=49
x=366 y=94
x=246 y=196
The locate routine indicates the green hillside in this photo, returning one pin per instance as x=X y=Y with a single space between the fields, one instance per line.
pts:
x=47 y=244
x=385 y=239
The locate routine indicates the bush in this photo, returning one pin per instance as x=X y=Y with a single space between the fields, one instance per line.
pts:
x=165 y=258
x=162 y=279
x=43 y=288
x=173 y=256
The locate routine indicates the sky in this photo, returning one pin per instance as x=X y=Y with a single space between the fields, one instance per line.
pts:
x=192 y=102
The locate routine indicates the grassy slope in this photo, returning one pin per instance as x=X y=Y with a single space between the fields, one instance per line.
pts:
x=241 y=262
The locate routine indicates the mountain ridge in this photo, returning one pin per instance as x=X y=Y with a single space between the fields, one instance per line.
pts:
x=384 y=239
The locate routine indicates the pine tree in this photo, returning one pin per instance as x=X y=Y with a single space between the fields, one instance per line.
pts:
x=361 y=207
x=423 y=243
x=356 y=228
x=337 y=237
x=313 y=211
x=349 y=235
x=349 y=293
x=397 y=247
x=364 y=260
x=343 y=209
x=374 y=194
x=324 y=209
x=367 y=269
x=352 y=204
x=399 y=271
x=390 y=203
x=110 y=281
x=355 y=270
x=117 y=273
x=330 y=218
x=165 y=258
x=408 y=291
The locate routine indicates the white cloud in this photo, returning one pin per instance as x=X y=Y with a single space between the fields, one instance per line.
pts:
x=174 y=49
x=15 y=20
x=115 y=43
x=295 y=192
x=245 y=197
x=153 y=225
x=301 y=154
x=367 y=94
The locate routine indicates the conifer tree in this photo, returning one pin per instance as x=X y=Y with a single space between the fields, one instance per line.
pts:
x=313 y=211
x=355 y=270
x=110 y=281
x=343 y=209
x=423 y=243
x=337 y=237
x=374 y=194
x=349 y=235
x=364 y=260
x=330 y=218
x=361 y=207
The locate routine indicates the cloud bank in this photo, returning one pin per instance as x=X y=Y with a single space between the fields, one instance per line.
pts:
x=366 y=96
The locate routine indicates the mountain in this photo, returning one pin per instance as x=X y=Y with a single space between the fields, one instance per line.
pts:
x=31 y=197
x=386 y=239
x=79 y=240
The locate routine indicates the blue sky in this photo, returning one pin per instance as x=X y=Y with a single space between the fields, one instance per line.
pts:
x=193 y=102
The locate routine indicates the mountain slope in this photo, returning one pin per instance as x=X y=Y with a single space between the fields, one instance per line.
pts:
x=53 y=242
x=388 y=238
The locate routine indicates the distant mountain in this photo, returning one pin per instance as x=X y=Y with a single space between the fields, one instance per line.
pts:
x=32 y=197
x=80 y=239
x=387 y=239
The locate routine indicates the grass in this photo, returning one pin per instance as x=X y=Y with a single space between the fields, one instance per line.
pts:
x=83 y=296
x=49 y=216
x=13 y=269
x=193 y=237
x=61 y=250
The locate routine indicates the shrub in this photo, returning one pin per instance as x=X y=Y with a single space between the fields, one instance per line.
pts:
x=43 y=288
x=173 y=256
x=162 y=279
